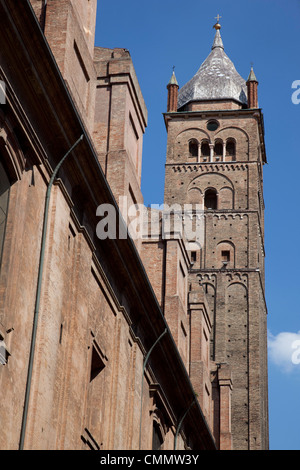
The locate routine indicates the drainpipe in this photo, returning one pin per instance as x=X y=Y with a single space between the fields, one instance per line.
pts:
x=180 y=423
x=38 y=295
x=144 y=366
x=43 y=16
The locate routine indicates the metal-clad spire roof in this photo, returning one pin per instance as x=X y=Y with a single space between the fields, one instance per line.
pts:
x=216 y=79
x=252 y=77
x=218 y=40
x=173 y=80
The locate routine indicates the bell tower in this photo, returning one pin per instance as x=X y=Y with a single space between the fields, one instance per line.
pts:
x=215 y=157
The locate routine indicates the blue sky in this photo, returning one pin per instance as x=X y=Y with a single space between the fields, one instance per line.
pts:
x=161 y=34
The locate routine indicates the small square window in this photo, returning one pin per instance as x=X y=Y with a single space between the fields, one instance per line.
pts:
x=225 y=256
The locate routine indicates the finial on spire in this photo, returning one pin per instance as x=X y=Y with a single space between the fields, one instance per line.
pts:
x=252 y=77
x=217 y=40
x=217 y=25
x=173 y=80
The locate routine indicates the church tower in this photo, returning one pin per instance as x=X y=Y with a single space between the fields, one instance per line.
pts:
x=215 y=158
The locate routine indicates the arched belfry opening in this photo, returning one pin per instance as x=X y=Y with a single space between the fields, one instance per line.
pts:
x=211 y=199
x=230 y=150
x=205 y=151
x=193 y=148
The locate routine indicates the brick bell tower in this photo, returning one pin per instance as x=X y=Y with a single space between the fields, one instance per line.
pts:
x=215 y=157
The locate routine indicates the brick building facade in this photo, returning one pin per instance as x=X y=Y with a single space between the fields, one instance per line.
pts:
x=117 y=342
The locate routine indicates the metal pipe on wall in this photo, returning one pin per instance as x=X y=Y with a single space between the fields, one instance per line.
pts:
x=38 y=295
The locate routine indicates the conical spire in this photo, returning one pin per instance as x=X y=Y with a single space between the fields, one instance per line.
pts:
x=218 y=40
x=173 y=80
x=216 y=79
x=252 y=77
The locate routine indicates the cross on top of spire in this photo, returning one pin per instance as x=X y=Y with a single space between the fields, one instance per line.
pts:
x=217 y=25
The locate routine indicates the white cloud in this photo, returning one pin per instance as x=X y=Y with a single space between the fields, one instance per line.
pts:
x=284 y=350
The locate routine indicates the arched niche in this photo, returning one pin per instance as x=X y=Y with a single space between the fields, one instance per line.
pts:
x=236 y=308
x=195 y=196
x=212 y=181
x=226 y=254
x=226 y=198
x=194 y=249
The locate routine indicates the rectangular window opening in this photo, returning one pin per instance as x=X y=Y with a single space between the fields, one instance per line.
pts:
x=61 y=333
x=97 y=365
x=71 y=236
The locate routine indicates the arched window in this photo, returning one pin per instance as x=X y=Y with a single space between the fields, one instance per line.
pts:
x=218 y=150
x=4 y=199
x=193 y=148
x=210 y=199
x=230 y=149
x=205 y=151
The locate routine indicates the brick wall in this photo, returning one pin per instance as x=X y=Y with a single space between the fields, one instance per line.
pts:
x=233 y=232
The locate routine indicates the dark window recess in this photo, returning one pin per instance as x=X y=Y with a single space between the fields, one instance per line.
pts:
x=212 y=125
x=193 y=149
x=60 y=333
x=71 y=236
x=230 y=149
x=157 y=440
x=4 y=354
x=210 y=199
x=225 y=255
x=205 y=150
x=97 y=365
x=219 y=150
x=194 y=256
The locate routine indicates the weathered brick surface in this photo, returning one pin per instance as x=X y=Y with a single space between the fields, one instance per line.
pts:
x=98 y=316
x=120 y=121
x=69 y=27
